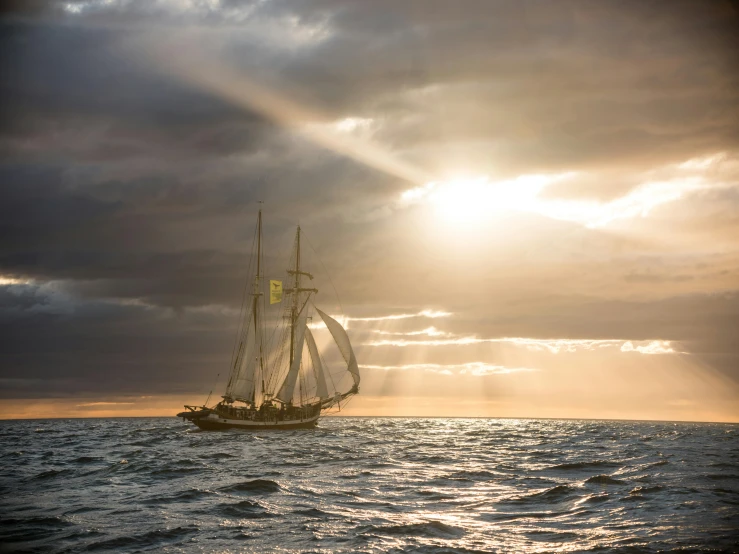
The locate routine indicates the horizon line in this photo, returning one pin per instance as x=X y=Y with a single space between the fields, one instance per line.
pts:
x=529 y=418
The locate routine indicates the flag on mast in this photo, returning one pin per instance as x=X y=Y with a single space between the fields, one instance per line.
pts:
x=275 y=291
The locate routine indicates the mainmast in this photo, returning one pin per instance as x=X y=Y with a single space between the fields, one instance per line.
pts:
x=294 y=311
x=297 y=316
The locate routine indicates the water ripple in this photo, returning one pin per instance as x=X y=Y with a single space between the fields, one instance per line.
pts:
x=369 y=485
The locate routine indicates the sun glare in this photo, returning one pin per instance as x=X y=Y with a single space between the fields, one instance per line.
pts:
x=470 y=200
x=466 y=202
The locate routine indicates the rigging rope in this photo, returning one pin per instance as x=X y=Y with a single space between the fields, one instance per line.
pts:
x=234 y=353
x=326 y=272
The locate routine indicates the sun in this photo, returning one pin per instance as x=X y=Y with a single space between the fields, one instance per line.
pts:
x=470 y=201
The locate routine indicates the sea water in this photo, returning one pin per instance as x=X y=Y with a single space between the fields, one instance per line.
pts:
x=369 y=485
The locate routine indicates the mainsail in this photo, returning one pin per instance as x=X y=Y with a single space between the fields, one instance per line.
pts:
x=321 y=388
x=287 y=390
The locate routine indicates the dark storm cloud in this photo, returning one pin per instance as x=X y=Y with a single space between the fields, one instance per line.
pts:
x=69 y=94
x=123 y=185
x=95 y=347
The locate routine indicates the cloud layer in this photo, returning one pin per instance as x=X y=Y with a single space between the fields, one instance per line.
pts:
x=502 y=180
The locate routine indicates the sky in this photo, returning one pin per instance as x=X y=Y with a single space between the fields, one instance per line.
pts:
x=524 y=209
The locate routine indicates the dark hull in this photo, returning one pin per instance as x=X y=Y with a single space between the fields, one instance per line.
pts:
x=214 y=425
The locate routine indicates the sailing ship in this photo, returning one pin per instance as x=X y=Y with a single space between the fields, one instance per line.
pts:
x=273 y=384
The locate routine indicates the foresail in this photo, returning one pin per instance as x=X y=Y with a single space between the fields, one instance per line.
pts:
x=342 y=341
x=321 y=388
x=241 y=383
x=288 y=386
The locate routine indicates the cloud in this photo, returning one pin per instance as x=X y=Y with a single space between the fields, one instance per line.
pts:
x=429 y=332
x=654 y=347
x=472 y=368
x=554 y=346
x=605 y=131
x=103 y=404
x=432 y=314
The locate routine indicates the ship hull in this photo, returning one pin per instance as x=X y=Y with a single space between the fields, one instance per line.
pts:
x=215 y=423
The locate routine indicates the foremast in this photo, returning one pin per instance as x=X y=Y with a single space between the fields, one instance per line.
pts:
x=249 y=356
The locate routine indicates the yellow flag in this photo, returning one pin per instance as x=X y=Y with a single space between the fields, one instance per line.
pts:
x=275 y=292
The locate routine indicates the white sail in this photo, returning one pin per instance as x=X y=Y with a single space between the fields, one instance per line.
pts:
x=342 y=341
x=288 y=386
x=321 y=388
x=241 y=383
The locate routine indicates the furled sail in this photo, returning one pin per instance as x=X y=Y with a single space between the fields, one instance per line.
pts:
x=321 y=388
x=241 y=383
x=342 y=341
x=288 y=386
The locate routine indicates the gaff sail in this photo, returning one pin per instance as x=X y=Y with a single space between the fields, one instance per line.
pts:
x=342 y=341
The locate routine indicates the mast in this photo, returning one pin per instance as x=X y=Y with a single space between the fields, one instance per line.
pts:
x=297 y=314
x=296 y=296
x=255 y=299
x=249 y=356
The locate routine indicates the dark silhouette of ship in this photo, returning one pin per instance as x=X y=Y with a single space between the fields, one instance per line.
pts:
x=273 y=384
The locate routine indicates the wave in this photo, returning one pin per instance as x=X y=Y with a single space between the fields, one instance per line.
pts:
x=188 y=495
x=150 y=539
x=256 y=486
x=52 y=474
x=311 y=512
x=604 y=480
x=82 y=510
x=552 y=495
x=18 y=530
x=434 y=529
x=245 y=509
x=174 y=471
x=14 y=454
x=724 y=465
x=645 y=490
x=595 y=498
x=434 y=495
x=584 y=465
x=220 y=456
x=87 y=459
x=555 y=494
x=53 y=521
x=722 y=477
x=478 y=475
x=506 y=516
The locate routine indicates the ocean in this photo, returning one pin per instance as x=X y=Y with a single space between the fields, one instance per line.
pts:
x=369 y=485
